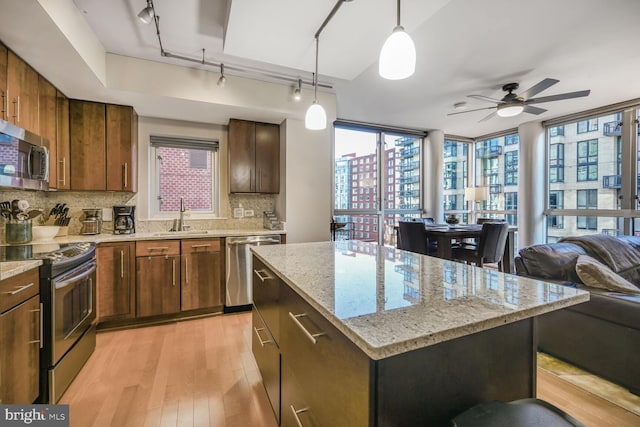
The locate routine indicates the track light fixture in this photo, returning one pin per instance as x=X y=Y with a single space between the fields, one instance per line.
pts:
x=222 y=80
x=147 y=14
x=297 y=92
x=398 y=54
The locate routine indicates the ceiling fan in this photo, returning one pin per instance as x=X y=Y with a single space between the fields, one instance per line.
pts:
x=513 y=104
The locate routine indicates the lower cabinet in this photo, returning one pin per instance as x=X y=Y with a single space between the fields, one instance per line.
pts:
x=157 y=277
x=20 y=336
x=201 y=278
x=267 y=356
x=116 y=281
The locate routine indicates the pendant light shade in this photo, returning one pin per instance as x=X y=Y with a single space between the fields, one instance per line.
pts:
x=316 y=117
x=398 y=54
x=147 y=14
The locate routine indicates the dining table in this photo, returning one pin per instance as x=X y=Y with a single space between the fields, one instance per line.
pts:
x=445 y=235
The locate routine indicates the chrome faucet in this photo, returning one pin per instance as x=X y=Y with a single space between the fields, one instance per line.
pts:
x=179 y=225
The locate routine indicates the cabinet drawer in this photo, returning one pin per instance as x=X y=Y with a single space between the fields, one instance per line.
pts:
x=296 y=411
x=266 y=297
x=200 y=245
x=18 y=288
x=158 y=247
x=332 y=373
x=267 y=356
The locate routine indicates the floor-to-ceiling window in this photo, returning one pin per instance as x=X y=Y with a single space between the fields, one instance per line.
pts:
x=589 y=190
x=455 y=177
x=496 y=167
x=377 y=181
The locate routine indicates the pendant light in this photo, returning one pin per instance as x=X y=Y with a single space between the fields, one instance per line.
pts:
x=398 y=54
x=147 y=14
x=316 y=117
x=222 y=81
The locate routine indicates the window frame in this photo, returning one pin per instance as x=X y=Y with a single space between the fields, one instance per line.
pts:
x=587 y=162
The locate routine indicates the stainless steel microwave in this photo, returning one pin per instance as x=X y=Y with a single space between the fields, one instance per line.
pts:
x=24 y=159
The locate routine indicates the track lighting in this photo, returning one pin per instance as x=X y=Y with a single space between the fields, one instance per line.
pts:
x=222 y=80
x=316 y=117
x=297 y=92
x=147 y=14
x=398 y=54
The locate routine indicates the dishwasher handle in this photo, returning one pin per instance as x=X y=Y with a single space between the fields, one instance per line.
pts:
x=250 y=241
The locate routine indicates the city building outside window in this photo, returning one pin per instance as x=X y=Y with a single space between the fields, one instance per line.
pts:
x=511 y=168
x=585 y=126
x=455 y=178
x=556 y=161
x=588 y=160
x=587 y=199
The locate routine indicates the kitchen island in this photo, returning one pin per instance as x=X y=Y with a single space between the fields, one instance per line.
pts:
x=354 y=334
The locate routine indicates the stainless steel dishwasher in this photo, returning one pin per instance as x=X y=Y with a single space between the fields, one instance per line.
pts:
x=239 y=292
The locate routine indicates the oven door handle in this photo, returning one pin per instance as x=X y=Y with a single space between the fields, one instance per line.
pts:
x=76 y=278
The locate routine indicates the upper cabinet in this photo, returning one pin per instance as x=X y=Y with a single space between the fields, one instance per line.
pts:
x=103 y=141
x=122 y=142
x=60 y=161
x=254 y=157
x=4 y=108
x=47 y=122
x=22 y=94
x=88 y=145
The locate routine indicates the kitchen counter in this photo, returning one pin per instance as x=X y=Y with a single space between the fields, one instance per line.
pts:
x=388 y=301
x=13 y=268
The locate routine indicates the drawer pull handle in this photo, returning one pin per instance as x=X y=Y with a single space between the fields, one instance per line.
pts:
x=20 y=289
x=262 y=275
x=309 y=335
x=296 y=412
x=201 y=246
x=158 y=248
x=257 y=331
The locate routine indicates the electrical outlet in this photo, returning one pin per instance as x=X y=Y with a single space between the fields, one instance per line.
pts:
x=248 y=212
x=238 y=212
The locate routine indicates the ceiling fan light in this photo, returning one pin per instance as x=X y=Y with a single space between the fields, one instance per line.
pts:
x=316 y=117
x=397 y=56
x=146 y=14
x=507 y=110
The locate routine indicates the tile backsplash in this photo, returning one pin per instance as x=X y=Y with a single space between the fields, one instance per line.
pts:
x=78 y=200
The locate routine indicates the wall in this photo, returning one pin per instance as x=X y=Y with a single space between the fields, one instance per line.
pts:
x=305 y=199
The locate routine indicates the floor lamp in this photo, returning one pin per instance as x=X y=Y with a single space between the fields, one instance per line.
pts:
x=475 y=195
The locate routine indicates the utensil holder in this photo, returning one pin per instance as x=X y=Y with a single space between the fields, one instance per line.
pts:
x=18 y=231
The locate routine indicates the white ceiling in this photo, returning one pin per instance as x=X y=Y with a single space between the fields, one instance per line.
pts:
x=463 y=47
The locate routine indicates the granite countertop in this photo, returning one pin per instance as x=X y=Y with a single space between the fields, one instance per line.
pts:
x=13 y=268
x=389 y=301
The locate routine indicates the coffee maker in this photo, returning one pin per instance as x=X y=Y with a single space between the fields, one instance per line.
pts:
x=124 y=220
x=91 y=221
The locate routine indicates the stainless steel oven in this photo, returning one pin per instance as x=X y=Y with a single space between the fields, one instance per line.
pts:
x=68 y=293
x=73 y=307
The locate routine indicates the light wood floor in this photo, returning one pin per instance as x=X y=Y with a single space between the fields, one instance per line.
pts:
x=202 y=373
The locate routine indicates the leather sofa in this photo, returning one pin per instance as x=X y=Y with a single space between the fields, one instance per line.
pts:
x=601 y=336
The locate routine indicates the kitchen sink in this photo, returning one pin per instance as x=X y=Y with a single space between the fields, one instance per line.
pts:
x=180 y=233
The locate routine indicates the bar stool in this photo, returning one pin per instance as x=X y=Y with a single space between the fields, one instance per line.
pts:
x=521 y=413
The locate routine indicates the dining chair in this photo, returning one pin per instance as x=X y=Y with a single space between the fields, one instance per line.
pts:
x=490 y=248
x=483 y=220
x=412 y=237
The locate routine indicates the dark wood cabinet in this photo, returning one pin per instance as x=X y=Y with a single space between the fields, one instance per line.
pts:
x=88 y=145
x=201 y=278
x=47 y=123
x=254 y=157
x=122 y=147
x=22 y=91
x=59 y=173
x=157 y=277
x=116 y=281
x=20 y=337
x=4 y=108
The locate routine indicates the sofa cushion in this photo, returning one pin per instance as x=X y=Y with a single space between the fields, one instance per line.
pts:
x=556 y=261
x=621 y=309
x=595 y=274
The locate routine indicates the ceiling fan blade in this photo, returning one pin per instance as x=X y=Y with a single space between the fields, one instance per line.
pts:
x=536 y=89
x=485 y=98
x=558 y=97
x=469 y=111
x=533 y=110
x=488 y=117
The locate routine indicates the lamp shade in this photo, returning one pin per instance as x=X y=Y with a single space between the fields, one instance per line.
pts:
x=476 y=194
x=507 y=110
x=316 y=117
x=146 y=14
x=397 y=56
